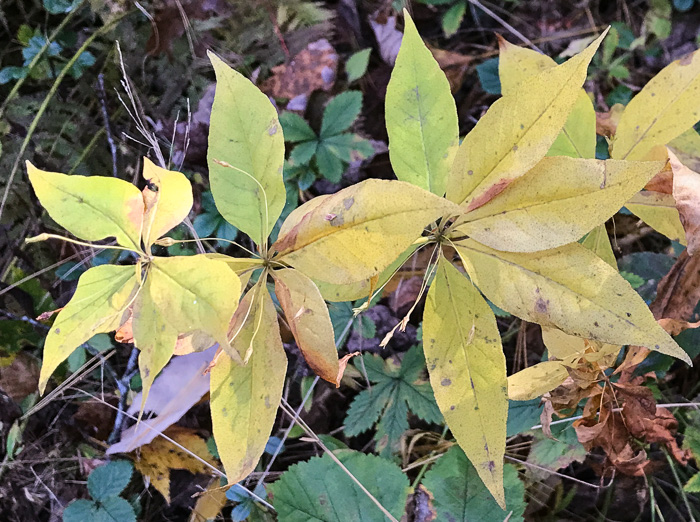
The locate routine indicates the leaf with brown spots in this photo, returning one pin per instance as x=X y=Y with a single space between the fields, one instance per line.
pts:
x=468 y=371
x=244 y=398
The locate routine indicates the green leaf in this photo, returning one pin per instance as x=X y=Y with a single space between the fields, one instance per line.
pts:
x=526 y=124
x=244 y=399
x=109 y=510
x=373 y=222
x=421 y=116
x=110 y=479
x=459 y=495
x=523 y=415
x=303 y=152
x=79 y=511
x=295 y=128
x=366 y=408
x=468 y=371
x=329 y=165
x=453 y=17
x=356 y=66
x=92 y=208
x=488 y=76
x=340 y=113
x=99 y=302
x=568 y=287
x=555 y=453
x=534 y=211
x=320 y=490
x=693 y=484
x=181 y=295
x=245 y=134
x=348 y=147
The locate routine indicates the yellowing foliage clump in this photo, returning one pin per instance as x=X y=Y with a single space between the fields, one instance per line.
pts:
x=512 y=201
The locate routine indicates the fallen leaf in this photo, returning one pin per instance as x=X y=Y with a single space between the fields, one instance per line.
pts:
x=606 y=122
x=686 y=192
x=180 y=385
x=454 y=65
x=678 y=292
x=20 y=378
x=209 y=503
x=676 y=326
x=343 y=363
x=157 y=458
x=388 y=37
x=314 y=68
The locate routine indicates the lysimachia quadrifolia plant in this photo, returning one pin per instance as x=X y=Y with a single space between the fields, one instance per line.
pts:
x=513 y=216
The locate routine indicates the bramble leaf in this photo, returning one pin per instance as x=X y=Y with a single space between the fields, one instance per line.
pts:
x=556 y=203
x=181 y=295
x=166 y=207
x=459 y=495
x=568 y=287
x=309 y=321
x=91 y=207
x=340 y=113
x=421 y=116
x=244 y=399
x=468 y=371
x=295 y=128
x=516 y=132
x=357 y=232
x=98 y=305
x=664 y=109
x=245 y=134
x=320 y=490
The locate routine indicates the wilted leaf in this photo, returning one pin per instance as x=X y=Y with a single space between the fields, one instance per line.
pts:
x=168 y=205
x=568 y=287
x=99 y=302
x=245 y=134
x=357 y=232
x=516 y=132
x=160 y=456
x=92 y=208
x=665 y=108
x=459 y=495
x=421 y=117
x=181 y=295
x=468 y=371
x=535 y=211
x=244 y=399
x=320 y=490
x=679 y=290
x=686 y=192
x=308 y=319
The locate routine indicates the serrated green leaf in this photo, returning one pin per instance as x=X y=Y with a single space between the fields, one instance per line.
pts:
x=366 y=408
x=245 y=133
x=295 y=128
x=568 y=287
x=421 y=116
x=356 y=66
x=459 y=495
x=99 y=302
x=110 y=479
x=468 y=371
x=340 y=113
x=554 y=453
x=91 y=207
x=303 y=152
x=244 y=399
x=320 y=490
x=329 y=165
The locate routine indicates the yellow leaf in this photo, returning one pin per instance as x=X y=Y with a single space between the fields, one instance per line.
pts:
x=157 y=458
x=421 y=116
x=659 y=212
x=577 y=138
x=568 y=287
x=181 y=295
x=91 y=207
x=598 y=242
x=98 y=306
x=556 y=202
x=309 y=321
x=244 y=399
x=516 y=132
x=210 y=503
x=468 y=371
x=665 y=108
x=168 y=205
x=357 y=232
x=535 y=381
x=562 y=345
x=246 y=135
